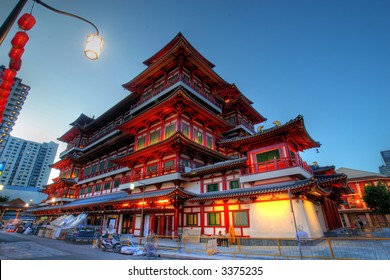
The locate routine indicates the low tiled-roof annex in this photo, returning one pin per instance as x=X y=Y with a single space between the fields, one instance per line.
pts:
x=217 y=167
x=295 y=128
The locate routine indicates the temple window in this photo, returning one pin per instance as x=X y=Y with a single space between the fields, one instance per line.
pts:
x=107 y=186
x=266 y=156
x=87 y=171
x=168 y=164
x=89 y=190
x=116 y=183
x=185 y=128
x=151 y=169
x=82 y=191
x=102 y=165
x=214 y=219
x=240 y=218
x=234 y=184
x=209 y=141
x=141 y=143
x=154 y=137
x=192 y=219
x=232 y=120
x=97 y=188
x=198 y=136
x=169 y=130
x=94 y=168
x=212 y=187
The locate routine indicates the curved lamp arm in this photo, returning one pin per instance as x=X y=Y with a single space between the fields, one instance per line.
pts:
x=66 y=14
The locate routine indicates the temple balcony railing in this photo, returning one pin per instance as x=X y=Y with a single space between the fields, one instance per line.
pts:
x=164 y=174
x=278 y=167
x=166 y=87
x=116 y=169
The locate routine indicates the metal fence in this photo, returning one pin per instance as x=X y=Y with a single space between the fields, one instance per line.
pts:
x=334 y=248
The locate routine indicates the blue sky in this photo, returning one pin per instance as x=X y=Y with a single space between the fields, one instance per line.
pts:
x=326 y=60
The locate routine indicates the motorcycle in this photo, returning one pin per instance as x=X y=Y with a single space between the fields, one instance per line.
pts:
x=110 y=242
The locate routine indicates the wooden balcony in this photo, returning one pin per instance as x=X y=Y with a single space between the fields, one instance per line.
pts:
x=142 y=176
x=277 y=167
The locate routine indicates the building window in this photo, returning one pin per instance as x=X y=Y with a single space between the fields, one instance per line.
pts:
x=185 y=128
x=87 y=171
x=168 y=165
x=234 y=184
x=192 y=219
x=141 y=143
x=97 y=188
x=241 y=218
x=107 y=186
x=198 y=136
x=209 y=141
x=154 y=137
x=151 y=169
x=82 y=191
x=214 y=219
x=169 y=130
x=102 y=165
x=117 y=183
x=270 y=155
x=94 y=167
x=212 y=187
x=89 y=190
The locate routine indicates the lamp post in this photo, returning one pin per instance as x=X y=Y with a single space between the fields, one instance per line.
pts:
x=132 y=186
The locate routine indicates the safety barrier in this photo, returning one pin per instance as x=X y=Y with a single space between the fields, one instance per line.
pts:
x=322 y=248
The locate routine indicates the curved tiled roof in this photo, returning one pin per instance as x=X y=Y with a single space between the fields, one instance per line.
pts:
x=255 y=191
x=295 y=129
x=217 y=167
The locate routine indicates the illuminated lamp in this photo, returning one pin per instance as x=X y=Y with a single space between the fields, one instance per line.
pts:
x=20 y=39
x=93 y=46
x=125 y=204
x=16 y=53
x=9 y=75
x=15 y=64
x=26 y=22
x=163 y=201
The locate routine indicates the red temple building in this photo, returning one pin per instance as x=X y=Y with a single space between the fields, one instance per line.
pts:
x=181 y=152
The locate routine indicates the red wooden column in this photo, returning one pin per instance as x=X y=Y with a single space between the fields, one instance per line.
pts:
x=328 y=214
x=202 y=217
x=226 y=214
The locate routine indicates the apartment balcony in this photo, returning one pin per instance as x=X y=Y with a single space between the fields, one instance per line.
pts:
x=159 y=175
x=276 y=168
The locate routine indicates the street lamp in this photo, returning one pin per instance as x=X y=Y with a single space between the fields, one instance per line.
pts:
x=94 y=43
x=132 y=186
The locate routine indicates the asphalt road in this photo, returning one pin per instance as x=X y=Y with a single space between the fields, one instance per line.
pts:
x=16 y=246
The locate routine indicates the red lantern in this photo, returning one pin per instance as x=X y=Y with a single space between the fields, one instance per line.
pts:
x=20 y=39
x=16 y=53
x=9 y=75
x=7 y=85
x=4 y=93
x=26 y=22
x=15 y=64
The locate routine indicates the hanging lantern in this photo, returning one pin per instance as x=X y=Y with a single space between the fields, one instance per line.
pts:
x=93 y=46
x=4 y=94
x=15 y=64
x=9 y=75
x=7 y=85
x=26 y=22
x=16 y=53
x=20 y=39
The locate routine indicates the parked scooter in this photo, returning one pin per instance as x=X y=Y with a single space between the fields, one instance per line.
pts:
x=110 y=242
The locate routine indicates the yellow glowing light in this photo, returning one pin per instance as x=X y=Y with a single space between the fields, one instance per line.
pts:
x=163 y=201
x=93 y=46
x=142 y=203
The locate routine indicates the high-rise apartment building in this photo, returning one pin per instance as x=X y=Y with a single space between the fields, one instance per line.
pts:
x=385 y=168
x=27 y=163
x=18 y=94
